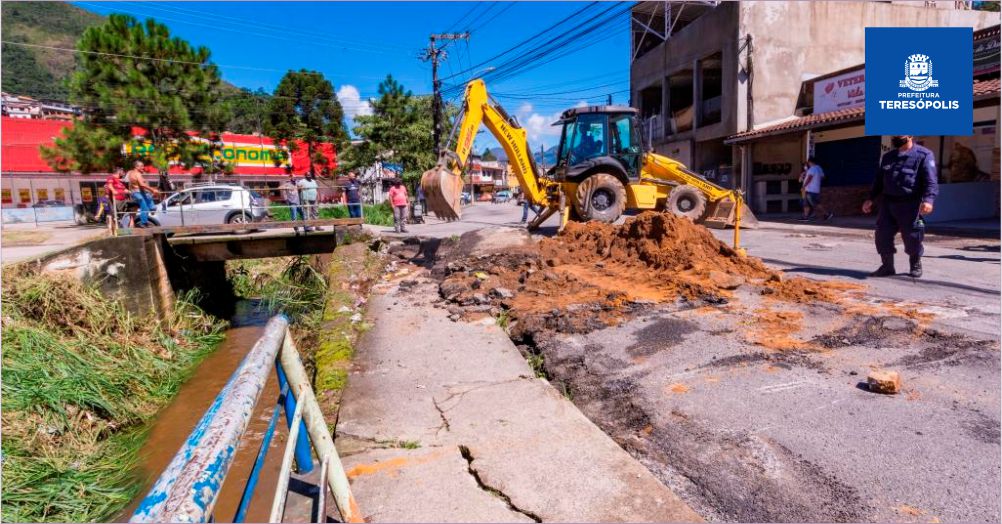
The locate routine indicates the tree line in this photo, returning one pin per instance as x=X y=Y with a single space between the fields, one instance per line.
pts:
x=136 y=81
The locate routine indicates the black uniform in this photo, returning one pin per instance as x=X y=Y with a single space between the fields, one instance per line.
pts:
x=905 y=181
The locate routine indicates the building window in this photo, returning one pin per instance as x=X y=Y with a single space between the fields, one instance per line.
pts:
x=680 y=110
x=712 y=89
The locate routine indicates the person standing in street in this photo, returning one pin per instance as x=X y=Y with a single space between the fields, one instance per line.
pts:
x=352 y=192
x=421 y=200
x=906 y=182
x=398 y=199
x=141 y=192
x=290 y=192
x=308 y=199
x=810 y=182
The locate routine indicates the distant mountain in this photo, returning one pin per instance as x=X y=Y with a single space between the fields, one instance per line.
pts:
x=548 y=158
x=38 y=72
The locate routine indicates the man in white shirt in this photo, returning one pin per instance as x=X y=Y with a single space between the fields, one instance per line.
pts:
x=810 y=191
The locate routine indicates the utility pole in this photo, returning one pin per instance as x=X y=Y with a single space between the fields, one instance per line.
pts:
x=436 y=54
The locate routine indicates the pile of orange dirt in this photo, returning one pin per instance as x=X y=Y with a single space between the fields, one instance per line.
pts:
x=595 y=274
x=679 y=258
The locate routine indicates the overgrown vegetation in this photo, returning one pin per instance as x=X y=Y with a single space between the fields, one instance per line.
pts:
x=324 y=301
x=81 y=378
x=377 y=215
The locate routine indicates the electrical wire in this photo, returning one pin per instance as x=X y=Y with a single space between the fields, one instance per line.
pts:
x=246 y=32
x=528 y=41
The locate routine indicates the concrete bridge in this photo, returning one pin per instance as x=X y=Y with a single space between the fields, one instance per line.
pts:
x=218 y=243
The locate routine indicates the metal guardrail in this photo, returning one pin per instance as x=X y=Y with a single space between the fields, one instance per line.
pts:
x=188 y=488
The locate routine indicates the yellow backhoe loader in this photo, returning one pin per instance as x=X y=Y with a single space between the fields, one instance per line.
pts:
x=602 y=169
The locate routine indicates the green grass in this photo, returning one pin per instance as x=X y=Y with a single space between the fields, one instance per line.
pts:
x=320 y=298
x=81 y=379
x=377 y=215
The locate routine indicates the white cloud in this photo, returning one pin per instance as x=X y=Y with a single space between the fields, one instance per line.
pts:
x=537 y=126
x=351 y=101
x=581 y=103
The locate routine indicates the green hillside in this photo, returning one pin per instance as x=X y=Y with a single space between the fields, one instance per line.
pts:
x=34 y=71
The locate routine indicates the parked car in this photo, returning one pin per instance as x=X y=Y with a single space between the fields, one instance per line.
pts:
x=502 y=196
x=209 y=204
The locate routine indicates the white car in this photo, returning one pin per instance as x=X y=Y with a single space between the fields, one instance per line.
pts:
x=209 y=204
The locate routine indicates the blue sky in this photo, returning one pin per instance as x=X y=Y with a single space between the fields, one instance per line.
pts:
x=356 y=44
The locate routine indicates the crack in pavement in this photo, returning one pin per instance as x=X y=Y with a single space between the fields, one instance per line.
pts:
x=468 y=456
x=445 y=421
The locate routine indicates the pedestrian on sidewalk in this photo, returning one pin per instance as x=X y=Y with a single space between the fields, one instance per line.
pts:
x=907 y=185
x=810 y=192
x=142 y=193
x=353 y=195
x=399 y=199
x=290 y=192
x=308 y=199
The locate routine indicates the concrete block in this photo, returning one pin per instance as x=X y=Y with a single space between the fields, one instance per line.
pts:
x=887 y=382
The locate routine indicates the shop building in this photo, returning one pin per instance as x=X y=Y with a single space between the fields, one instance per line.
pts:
x=828 y=123
x=30 y=188
x=701 y=72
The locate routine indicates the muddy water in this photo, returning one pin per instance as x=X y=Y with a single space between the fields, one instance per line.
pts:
x=173 y=424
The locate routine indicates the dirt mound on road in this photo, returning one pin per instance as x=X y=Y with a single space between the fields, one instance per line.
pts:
x=593 y=275
x=683 y=258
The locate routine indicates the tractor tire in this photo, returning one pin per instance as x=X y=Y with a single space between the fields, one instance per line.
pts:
x=600 y=197
x=687 y=201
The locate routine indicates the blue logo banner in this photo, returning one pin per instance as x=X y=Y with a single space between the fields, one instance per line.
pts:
x=919 y=80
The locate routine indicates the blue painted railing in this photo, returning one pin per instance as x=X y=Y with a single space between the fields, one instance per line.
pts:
x=188 y=488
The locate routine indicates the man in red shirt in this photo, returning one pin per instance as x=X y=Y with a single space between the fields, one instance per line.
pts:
x=116 y=190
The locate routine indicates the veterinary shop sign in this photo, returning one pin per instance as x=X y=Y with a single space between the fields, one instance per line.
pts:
x=919 y=81
x=844 y=91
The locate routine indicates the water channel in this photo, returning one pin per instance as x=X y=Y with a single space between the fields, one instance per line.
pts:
x=173 y=423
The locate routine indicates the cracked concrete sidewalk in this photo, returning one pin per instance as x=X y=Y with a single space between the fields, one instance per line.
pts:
x=444 y=422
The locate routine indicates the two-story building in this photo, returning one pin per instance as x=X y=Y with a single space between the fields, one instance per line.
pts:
x=704 y=71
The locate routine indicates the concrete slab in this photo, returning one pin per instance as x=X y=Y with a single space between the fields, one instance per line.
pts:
x=463 y=388
x=423 y=485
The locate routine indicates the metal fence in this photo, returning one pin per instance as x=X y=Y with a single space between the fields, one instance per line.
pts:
x=188 y=488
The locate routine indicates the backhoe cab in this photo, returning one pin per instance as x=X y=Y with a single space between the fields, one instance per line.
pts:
x=599 y=154
x=602 y=169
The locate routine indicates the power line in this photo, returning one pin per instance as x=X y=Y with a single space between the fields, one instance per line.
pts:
x=528 y=40
x=245 y=32
x=136 y=57
x=556 y=47
x=253 y=24
x=455 y=25
x=499 y=13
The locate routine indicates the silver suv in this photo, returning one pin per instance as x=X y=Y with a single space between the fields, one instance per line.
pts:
x=208 y=204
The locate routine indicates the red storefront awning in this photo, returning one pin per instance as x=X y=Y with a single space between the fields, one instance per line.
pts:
x=21 y=138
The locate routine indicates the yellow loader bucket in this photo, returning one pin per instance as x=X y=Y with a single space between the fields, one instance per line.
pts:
x=442 y=190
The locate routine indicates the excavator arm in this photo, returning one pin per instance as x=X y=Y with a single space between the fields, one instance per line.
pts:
x=443 y=184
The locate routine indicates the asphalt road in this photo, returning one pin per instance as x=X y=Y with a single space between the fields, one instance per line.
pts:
x=745 y=433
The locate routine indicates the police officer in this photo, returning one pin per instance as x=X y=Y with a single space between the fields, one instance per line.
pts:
x=907 y=183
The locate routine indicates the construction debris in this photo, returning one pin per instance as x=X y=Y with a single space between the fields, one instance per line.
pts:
x=887 y=382
x=595 y=275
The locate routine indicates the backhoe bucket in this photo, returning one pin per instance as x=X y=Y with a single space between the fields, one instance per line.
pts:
x=442 y=190
x=721 y=214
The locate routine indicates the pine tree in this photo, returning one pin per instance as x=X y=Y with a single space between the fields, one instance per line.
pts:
x=305 y=108
x=488 y=155
x=133 y=77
